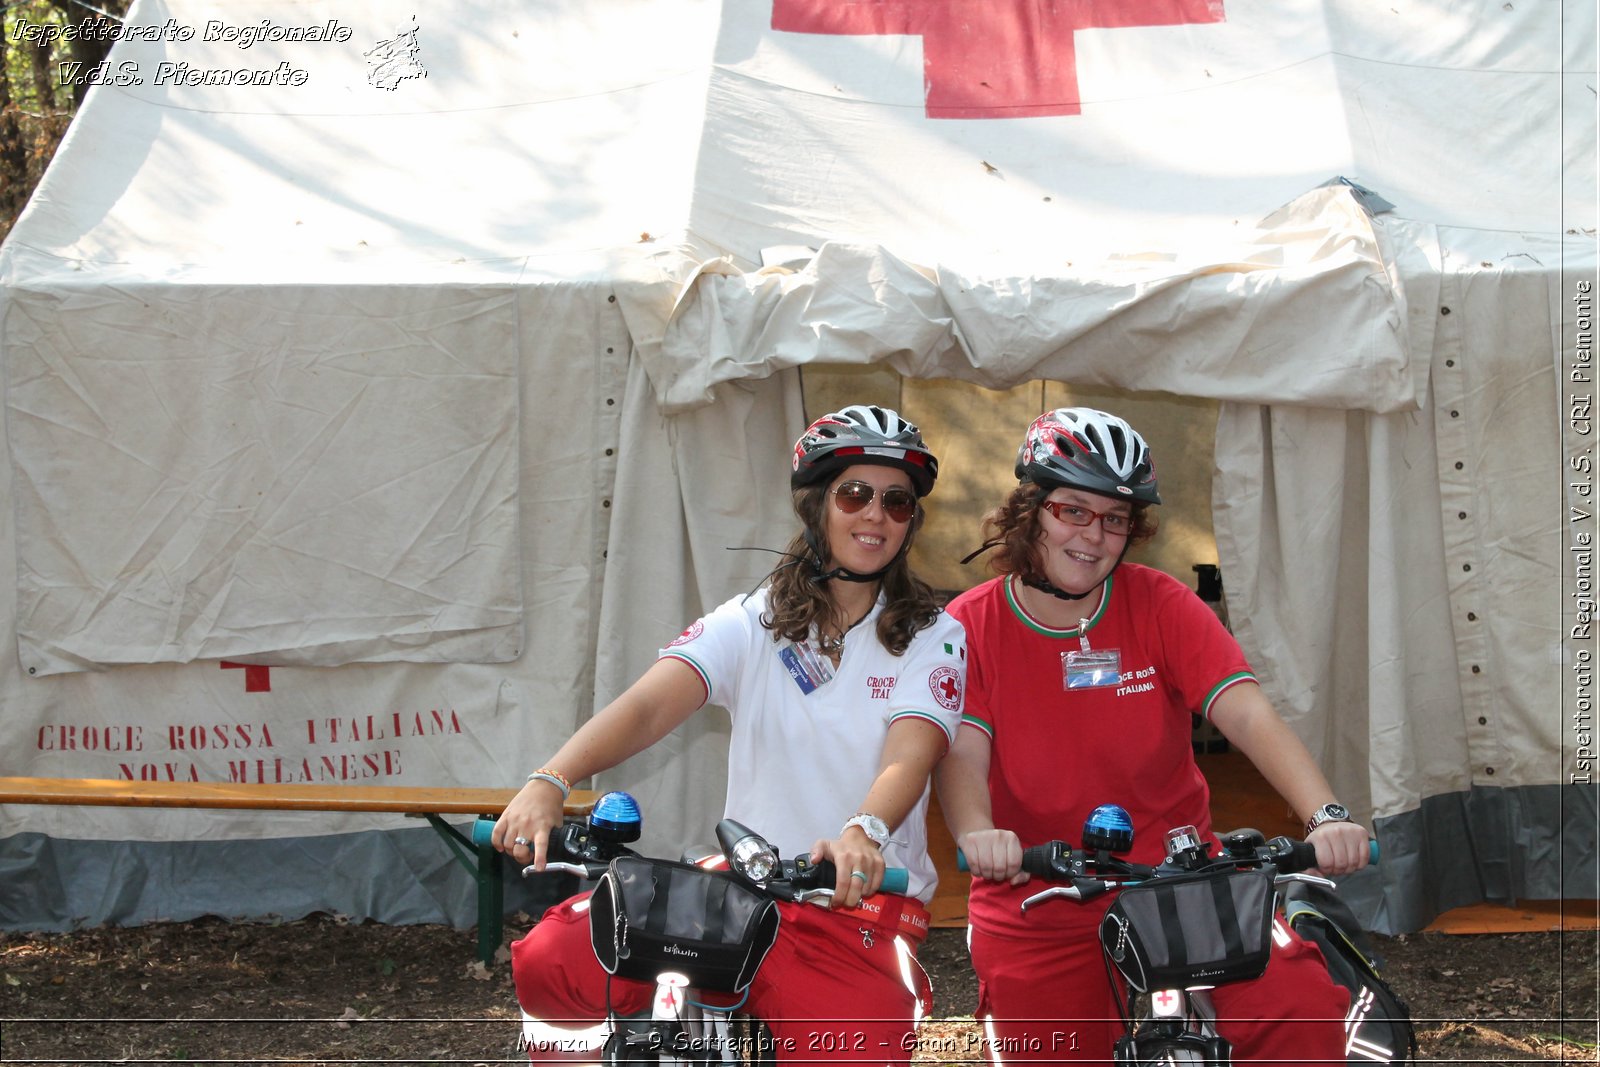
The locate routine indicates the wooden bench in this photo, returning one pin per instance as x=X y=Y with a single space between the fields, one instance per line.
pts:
x=483 y=863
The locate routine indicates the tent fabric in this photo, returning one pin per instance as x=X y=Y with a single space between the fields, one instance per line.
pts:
x=476 y=308
x=211 y=488
x=1218 y=327
x=1429 y=663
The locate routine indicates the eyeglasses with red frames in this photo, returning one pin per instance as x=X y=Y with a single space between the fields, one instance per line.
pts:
x=897 y=503
x=1076 y=515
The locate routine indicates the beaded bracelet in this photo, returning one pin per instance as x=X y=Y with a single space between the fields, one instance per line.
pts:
x=555 y=778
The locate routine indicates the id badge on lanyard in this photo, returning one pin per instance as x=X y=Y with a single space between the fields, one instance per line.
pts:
x=1088 y=668
x=809 y=668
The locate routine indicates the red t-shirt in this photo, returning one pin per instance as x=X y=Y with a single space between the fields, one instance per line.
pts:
x=1059 y=752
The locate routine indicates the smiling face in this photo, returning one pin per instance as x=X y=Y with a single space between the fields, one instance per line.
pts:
x=1076 y=559
x=865 y=541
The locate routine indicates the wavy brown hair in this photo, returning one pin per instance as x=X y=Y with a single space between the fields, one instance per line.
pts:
x=1013 y=528
x=796 y=604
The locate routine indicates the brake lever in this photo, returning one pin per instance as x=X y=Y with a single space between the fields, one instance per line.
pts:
x=1080 y=889
x=588 y=872
x=1301 y=876
x=820 y=897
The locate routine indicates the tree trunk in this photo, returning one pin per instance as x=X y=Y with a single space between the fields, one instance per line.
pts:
x=14 y=183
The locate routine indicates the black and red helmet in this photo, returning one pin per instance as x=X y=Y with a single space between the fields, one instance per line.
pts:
x=1082 y=448
x=862 y=433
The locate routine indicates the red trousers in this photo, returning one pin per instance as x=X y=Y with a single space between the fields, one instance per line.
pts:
x=829 y=992
x=1048 y=1000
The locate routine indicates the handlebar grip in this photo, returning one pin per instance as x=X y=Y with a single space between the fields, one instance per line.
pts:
x=1039 y=861
x=483 y=832
x=895 y=879
x=1292 y=856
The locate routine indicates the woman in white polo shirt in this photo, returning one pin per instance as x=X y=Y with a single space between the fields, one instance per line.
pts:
x=844 y=681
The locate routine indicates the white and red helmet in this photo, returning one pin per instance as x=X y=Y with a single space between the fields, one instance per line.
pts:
x=862 y=433
x=1082 y=448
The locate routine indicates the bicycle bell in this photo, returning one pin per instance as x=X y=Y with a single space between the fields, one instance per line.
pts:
x=1243 y=843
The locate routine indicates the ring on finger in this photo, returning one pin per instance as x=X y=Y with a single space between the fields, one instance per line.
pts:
x=523 y=841
x=859 y=874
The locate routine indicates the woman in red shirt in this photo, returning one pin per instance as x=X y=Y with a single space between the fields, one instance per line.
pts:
x=1083 y=672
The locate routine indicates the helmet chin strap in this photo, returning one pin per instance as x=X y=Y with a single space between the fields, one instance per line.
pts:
x=1060 y=594
x=821 y=574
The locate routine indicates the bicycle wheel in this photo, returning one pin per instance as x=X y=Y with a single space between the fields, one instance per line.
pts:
x=1182 y=1047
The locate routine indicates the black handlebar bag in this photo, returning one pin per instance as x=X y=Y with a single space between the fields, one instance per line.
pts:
x=648 y=916
x=1182 y=931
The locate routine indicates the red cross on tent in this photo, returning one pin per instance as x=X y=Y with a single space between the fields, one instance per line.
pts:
x=257 y=679
x=992 y=59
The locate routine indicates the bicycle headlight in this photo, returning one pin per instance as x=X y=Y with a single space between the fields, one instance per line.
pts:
x=748 y=852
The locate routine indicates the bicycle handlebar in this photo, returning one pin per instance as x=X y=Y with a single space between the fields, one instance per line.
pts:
x=810 y=883
x=1056 y=861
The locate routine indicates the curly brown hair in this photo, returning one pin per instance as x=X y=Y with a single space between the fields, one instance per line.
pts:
x=796 y=605
x=1013 y=528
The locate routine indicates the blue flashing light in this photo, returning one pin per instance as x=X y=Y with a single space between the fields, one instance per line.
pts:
x=1108 y=827
x=616 y=817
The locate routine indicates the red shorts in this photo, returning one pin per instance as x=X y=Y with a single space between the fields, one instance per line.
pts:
x=1048 y=1000
x=831 y=990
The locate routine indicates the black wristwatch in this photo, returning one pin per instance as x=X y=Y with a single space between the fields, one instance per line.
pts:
x=1327 y=813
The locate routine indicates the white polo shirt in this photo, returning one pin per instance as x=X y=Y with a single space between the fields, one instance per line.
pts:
x=799 y=763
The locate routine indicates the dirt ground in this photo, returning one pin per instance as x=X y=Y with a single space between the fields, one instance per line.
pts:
x=323 y=991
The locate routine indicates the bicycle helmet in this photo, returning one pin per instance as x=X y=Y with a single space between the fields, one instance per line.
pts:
x=862 y=433
x=1082 y=448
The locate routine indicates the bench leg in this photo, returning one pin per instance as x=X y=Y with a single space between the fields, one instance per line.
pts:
x=486 y=867
x=491 y=903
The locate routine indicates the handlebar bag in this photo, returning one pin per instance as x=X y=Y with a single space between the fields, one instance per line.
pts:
x=648 y=916
x=1182 y=931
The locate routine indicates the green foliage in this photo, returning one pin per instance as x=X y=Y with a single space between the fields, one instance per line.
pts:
x=35 y=104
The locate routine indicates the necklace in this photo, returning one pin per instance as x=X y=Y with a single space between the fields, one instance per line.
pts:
x=832 y=647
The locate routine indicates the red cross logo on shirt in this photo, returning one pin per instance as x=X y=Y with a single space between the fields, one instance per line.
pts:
x=946 y=686
x=992 y=59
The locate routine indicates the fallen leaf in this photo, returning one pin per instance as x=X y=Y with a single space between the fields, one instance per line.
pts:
x=478 y=972
x=350 y=1015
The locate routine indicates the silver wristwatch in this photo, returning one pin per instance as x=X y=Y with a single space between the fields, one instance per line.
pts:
x=1327 y=813
x=875 y=828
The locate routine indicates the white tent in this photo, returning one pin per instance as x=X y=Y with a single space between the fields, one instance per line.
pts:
x=424 y=372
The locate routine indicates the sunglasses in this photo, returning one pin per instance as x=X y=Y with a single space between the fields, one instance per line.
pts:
x=1110 y=522
x=899 y=504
